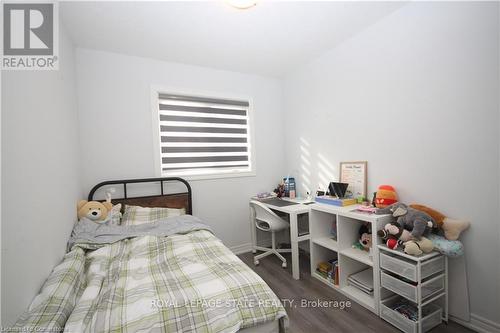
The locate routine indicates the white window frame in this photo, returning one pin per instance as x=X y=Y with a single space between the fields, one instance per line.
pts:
x=156 y=90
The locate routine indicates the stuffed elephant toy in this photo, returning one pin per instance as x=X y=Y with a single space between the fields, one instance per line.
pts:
x=415 y=221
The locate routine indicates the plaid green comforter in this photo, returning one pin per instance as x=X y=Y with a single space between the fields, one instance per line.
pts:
x=180 y=283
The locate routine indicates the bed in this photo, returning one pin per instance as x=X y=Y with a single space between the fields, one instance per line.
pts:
x=160 y=280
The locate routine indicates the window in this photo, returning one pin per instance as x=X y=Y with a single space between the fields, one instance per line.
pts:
x=203 y=136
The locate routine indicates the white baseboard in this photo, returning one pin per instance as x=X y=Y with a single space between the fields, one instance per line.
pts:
x=242 y=248
x=247 y=247
x=478 y=324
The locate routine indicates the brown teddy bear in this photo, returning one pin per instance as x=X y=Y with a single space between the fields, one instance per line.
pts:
x=93 y=210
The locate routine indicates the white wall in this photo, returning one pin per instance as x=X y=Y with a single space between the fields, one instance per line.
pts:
x=114 y=93
x=416 y=95
x=40 y=177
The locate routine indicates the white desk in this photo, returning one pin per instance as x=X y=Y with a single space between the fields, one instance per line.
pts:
x=293 y=211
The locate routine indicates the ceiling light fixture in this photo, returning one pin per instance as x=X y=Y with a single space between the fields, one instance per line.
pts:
x=242 y=4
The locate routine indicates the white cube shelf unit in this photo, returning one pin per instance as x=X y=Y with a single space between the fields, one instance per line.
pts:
x=350 y=260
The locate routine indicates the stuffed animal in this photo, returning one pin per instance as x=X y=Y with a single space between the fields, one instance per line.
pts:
x=385 y=196
x=397 y=231
x=93 y=210
x=280 y=190
x=365 y=237
x=415 y=221
x=450 y=248
x=452 y=228
x=390 y=240
x=394 y=235
x=417 y=247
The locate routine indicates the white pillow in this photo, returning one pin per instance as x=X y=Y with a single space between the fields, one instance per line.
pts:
x=135 y=215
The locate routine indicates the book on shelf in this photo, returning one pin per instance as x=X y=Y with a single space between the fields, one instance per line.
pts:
x=334 y=201
x=336 y=274
x=329 y=271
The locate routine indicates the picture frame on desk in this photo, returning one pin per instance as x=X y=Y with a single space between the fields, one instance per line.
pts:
x=355 y=174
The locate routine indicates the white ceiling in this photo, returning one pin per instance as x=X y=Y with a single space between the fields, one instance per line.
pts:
x=270 y=39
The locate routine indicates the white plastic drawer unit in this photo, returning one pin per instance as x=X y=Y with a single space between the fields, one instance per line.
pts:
x=431 y=318
x=408 y=268
x=410 y=291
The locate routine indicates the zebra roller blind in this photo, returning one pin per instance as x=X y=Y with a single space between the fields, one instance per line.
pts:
x=200 y=135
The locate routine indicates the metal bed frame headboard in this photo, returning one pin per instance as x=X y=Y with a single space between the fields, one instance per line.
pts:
x=171 y=200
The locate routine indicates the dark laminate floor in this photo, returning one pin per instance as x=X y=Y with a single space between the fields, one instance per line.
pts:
x=354 y=319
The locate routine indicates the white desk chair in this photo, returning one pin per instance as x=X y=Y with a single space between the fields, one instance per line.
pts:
x=268 y=221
